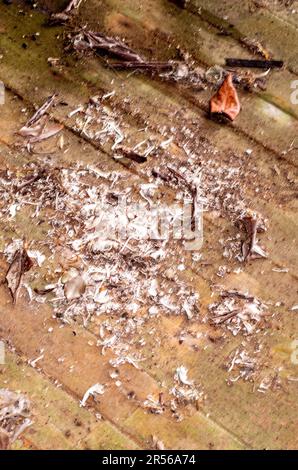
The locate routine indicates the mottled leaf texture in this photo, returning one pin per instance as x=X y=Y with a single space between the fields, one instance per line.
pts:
x=226 y=100
x=21 y=263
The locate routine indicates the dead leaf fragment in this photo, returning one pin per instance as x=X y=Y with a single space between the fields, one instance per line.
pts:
x=38 y=127
x=226 y=100
x=21 y=263
x=48 y=131
x=41 y=111
x=252 y=225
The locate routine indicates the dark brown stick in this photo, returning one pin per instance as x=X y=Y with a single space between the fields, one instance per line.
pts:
x=252 y=63
x=227 y=316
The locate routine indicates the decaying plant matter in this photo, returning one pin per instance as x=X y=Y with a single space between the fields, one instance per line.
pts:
x=238 y=311
x=115 y=48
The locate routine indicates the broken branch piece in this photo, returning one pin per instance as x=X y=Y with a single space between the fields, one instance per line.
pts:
x=252 y=63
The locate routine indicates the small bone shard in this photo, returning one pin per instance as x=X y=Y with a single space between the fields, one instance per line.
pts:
x=226 y=101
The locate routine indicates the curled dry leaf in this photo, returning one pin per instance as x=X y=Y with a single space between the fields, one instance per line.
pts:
x=41 y=111
x=226 y=100
x=48 y=131
x=20 y=264
x=34 y=130
x=41 y=131
x=37 y=128
x=252 y=225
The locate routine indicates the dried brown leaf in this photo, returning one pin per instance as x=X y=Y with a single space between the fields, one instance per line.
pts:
x=21 y=263
x=226 y=100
